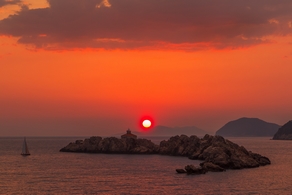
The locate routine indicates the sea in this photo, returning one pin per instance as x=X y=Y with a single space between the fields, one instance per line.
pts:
x=48 y=171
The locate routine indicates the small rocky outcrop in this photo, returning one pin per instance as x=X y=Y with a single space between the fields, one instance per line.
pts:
x=191 y=169
x=181 y=171
x=284 y=132
x=112 y=145
x=204 y=168
x=217 y=153
x=209 y=166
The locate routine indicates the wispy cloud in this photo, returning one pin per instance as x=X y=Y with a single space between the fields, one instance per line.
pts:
x=9 y=2
x=149 y=23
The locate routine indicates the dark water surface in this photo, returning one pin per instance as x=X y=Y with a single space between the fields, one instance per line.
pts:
x=48 y=171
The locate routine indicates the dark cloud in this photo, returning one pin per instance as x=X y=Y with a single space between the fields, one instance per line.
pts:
x=9 y=2
x=130 y=24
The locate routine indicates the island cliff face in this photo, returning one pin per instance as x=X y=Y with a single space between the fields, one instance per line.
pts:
x=284 y=132
x=216 y=152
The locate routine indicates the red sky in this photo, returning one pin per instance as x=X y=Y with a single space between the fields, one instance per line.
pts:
x=92 y=67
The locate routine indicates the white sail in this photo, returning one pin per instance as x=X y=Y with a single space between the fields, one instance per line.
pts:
x=25 y=150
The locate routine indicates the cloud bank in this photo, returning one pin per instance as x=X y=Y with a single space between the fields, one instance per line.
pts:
x=132 y=24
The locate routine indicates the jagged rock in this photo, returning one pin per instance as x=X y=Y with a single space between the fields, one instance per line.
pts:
x=217 y=153
x=181 y=171
x=204 y=168
x=217 y=150
x=284 y=132
x=262 y=160
x=209 y=166
x=180 y=145
x=191 y=169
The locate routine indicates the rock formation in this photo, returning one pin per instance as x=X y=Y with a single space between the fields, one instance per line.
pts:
x=248 y=127
x=284 y=132
x=112 y=145
x=204 y=168
x=216 y=152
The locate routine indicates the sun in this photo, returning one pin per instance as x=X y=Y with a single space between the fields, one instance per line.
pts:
x=146 y=123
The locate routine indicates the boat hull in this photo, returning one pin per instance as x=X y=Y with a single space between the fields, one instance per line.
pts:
x=25 y=154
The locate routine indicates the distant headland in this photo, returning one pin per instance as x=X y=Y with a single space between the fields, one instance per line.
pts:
x=284 y=132
x=217 y=153
x=248 y=127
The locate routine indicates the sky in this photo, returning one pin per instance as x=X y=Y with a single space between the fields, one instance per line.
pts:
x=96 y=67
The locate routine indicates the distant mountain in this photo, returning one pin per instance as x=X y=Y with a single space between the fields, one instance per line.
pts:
x=248 y=127
x=171 y=131
x=168 y=131
x=285 y=132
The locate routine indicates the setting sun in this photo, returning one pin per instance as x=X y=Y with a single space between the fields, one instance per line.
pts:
x=146 y=123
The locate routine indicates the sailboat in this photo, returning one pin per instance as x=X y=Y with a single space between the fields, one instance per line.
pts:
x=25 y=151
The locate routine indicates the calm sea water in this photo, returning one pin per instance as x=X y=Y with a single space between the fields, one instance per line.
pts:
x=48 y=171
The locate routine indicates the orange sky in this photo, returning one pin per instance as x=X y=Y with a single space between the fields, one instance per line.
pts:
x=59 y=86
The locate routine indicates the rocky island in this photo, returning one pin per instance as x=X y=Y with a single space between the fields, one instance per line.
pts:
x=217 y=153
